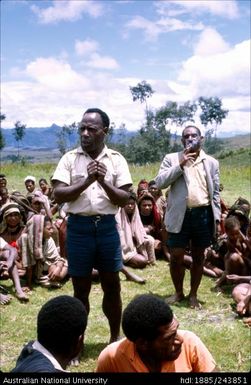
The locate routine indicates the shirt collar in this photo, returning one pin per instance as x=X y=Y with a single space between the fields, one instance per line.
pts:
x=40 y=348
x=200 y=157
x=103 y=152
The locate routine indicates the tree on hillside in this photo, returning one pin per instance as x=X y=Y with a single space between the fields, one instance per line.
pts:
x=213 y=113
x=151 y=143
x=142 y=91
x=2 y=140
x=63 y=141
x=19 y=132
x=172 y=113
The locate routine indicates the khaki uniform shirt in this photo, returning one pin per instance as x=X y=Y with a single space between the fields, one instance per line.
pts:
x=94 y=200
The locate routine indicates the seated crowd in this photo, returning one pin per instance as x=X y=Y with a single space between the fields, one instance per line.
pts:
x=32 y=248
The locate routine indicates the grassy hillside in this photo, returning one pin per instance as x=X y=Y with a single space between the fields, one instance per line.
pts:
x=238 y=141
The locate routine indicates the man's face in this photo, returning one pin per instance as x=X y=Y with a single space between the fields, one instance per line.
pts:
x=167 y=346
x=146 y=207
x=92 y=133
x=191 y=138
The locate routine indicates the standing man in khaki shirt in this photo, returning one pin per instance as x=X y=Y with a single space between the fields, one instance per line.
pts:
x=94 y=181
x=193 y=208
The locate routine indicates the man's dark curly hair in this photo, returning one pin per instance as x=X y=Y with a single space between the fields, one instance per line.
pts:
x=144 y=315
x=104 y=116
x=60 y=322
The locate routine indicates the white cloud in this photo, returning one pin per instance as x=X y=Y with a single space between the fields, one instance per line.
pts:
x=93 y=59
x=55 y=74
x=153 y=29
x=55 y=93
x=227 y=8
x=210 y=42
x=150 y=28
x=226 y=75
x=86 y=47
x=101 y=62
x=67 y=10
x=218 y=74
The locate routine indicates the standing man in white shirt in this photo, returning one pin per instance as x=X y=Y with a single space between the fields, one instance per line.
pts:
x=193 y=208
x=94 y=181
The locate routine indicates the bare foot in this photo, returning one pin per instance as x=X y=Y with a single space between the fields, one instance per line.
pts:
x=130 y=276
x=22 y=296
x=194 y=303
x=26 y=289
x=4 y=299
x=247 y=321
x=175 y=298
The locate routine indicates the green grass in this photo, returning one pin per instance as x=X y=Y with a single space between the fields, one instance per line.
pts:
x=217 y=324
x=235 y=174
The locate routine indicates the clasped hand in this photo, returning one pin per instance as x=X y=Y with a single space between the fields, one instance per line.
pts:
x=96 y=171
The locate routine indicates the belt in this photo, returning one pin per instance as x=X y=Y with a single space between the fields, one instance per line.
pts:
x=198 y=208
x=94 y=218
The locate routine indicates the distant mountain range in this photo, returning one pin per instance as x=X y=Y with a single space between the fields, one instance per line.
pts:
x=46 y=137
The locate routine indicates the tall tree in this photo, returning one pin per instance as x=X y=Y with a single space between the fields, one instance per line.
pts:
x=19 y=132
x=142 y=91
x=213 y=113
x=64 y=135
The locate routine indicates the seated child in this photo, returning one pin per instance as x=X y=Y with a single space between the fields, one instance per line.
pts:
x=40 y=255
x=237 y=258
x=137 y=246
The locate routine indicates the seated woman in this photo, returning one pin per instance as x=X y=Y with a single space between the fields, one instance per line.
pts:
x=45 y=188
x=137 y=246
x=40 y=255
x=151 y=220
x=12 y=225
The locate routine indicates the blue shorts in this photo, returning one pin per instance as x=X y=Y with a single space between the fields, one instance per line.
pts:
x=197 y=227
x=92 y=242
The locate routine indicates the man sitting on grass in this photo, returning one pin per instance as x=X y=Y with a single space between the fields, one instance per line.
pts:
x=153 y=342
x=61 y=323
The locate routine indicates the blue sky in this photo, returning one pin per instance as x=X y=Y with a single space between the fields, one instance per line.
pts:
x=59 y=58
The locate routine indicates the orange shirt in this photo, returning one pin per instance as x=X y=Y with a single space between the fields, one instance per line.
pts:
x=121 y=356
